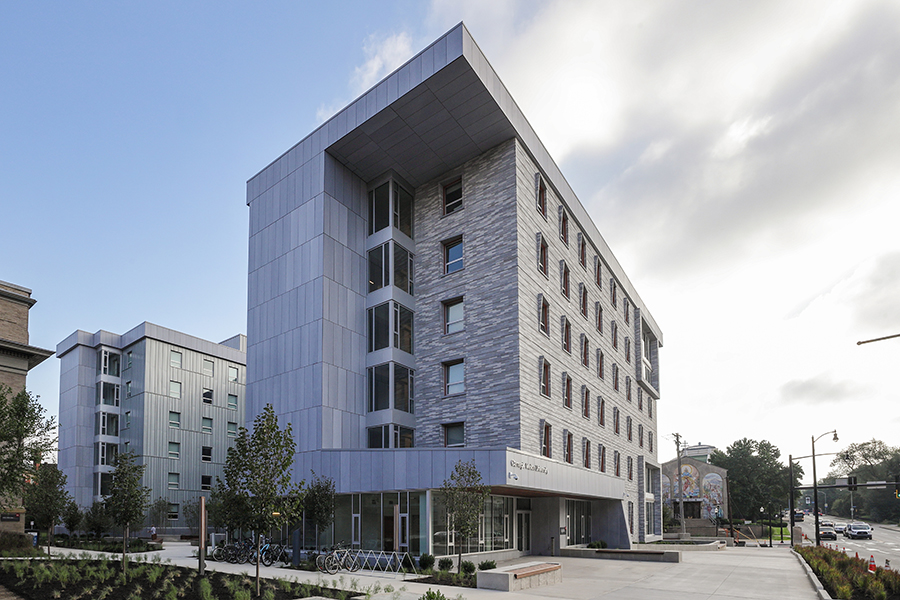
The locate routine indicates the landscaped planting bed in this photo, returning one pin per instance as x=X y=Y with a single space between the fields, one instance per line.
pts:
x=87 y=578
x=848 y=578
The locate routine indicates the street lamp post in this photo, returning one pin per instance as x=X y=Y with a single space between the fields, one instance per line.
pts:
x=815 y=480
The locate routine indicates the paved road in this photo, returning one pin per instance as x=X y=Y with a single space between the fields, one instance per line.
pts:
x=729 y=574
x=884 y=545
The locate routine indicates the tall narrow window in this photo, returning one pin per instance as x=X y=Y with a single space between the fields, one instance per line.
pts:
x=627 y=308
x=403 y=210
x=599 y=311
x=586 y=403
x=546 y=440
x=601 y=452
x=584 y=300
x=563 y=226
x=379 y=387
x=641 y=436
x=650 y=407
x=616 y=464
x=631 y=474
x=567 y=391
x=567 y=335
x=545 y=378
x=585 y=351
x=640 y=399
x=587 y=453
x=379 y=319
x=613 y=292
x=404 y=389
x=628 y=388
x=379 y=267
x=403 y=328
x=628 y=429
x=454 y=315
x=545 y=316
x=598 y=272
x=564 y=279
x=568 y=441
x=614 y=332
x=650 y=440
x=453 y=197
x=627 y=350
x=454 y=377
x=453 y=255
x=543 y=259
x=615 y=370
x=542 y=197
x=403 y=269
x=601 y=359
x=379 y=208
x=615 y=419
x=601 y=411
x=582 y=250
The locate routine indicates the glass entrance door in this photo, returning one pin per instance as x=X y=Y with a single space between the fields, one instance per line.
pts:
x=523 y=531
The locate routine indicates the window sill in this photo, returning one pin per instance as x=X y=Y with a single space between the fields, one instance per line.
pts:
x=463 y=330
x=445 y=274
x=456 y=395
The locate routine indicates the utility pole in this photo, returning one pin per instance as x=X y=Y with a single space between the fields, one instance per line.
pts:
x=680 y=485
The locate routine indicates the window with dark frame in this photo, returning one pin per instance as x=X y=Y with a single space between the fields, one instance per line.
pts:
x=542 y=197
x=454 y=314
x=584 y=301
x=453 y=255
x=641 y=436
x=582 y=250
x=545 y=317
x=599 y=318
x=601 y=359
x=546 y=440
x=598 y=272
x=628 y=430
x=454 y=435
x=627 y=349
x=453 y=196
x=543 y=259
x=568 y=454
x=628 y=388
x=615 y=369
x=586 y=404
x=545 y=379
x=587 y=454
x=585 y=351
x=615 y=419
x=454 y=377
x=207 y=396
x=614 y=332
x=601 y=452
x=206 y=454
x=564 y=283
x=567 y=335
x=601 y=411
x=616 y=460
x=567 y=391
x=564 y=226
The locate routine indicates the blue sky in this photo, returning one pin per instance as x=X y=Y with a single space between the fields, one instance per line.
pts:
x=739 y=158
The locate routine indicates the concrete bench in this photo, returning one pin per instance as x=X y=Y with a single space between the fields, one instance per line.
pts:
x=520 y=577
x=615 y=554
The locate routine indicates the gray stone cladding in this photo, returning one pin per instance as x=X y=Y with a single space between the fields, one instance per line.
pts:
x=489 y=342
x=534 y=344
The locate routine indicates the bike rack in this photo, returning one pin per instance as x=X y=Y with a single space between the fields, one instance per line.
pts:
x=385 y=562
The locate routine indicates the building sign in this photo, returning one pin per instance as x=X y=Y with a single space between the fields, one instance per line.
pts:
x=9 y=517
x=527 y=466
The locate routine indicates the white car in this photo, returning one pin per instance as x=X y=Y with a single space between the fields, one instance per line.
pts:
x=858 y=531
x=840 y=527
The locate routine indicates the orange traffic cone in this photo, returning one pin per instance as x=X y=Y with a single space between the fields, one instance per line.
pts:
x=871 y=564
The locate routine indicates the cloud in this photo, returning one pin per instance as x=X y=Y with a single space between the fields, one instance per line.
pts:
x=383 y=55
x=819 y=390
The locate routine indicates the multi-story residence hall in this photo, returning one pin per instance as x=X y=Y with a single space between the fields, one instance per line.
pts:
x=175 y=400
x=424 y=288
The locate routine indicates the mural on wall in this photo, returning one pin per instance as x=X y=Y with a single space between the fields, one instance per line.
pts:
x=713 y=495
x=666 y=486
x=690 y=484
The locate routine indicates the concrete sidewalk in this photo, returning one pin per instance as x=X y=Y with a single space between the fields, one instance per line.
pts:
x=730 y=574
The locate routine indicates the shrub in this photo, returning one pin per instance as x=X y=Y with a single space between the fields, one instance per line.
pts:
x=467 y=567
x=486 y=565
x=426 y=561
x=597 y=544
x=408 y=564
x=15 y=541
x=445 y=564
x=433 y=595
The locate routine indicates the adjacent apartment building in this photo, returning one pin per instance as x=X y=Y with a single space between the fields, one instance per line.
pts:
x=174 y=400
x=424 y=288
x=17 y=357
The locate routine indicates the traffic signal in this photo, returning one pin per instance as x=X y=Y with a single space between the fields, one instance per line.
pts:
x=896 y=486
x=851 y=484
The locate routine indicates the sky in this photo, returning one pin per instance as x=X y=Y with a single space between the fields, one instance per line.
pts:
x=740 y=158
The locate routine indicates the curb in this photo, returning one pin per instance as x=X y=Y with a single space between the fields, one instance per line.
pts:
x=820 y=590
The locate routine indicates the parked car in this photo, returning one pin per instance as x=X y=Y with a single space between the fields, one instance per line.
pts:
x=798 y=516
x=827 y=533
x=858 y=531
x=840 y=527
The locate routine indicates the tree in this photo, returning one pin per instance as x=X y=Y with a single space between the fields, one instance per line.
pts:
x=258 y=477
x=72 y=517
x=192 y=515
x=127 y=498
x=465 y=496
x=867 y=461
x=46 y=498
x=318 y=502
x=158 y=513
x=26 y=437
x=756 y=476
x=96 y=519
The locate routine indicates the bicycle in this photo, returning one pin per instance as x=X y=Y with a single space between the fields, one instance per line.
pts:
x=273 y=553
x=342 y=558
